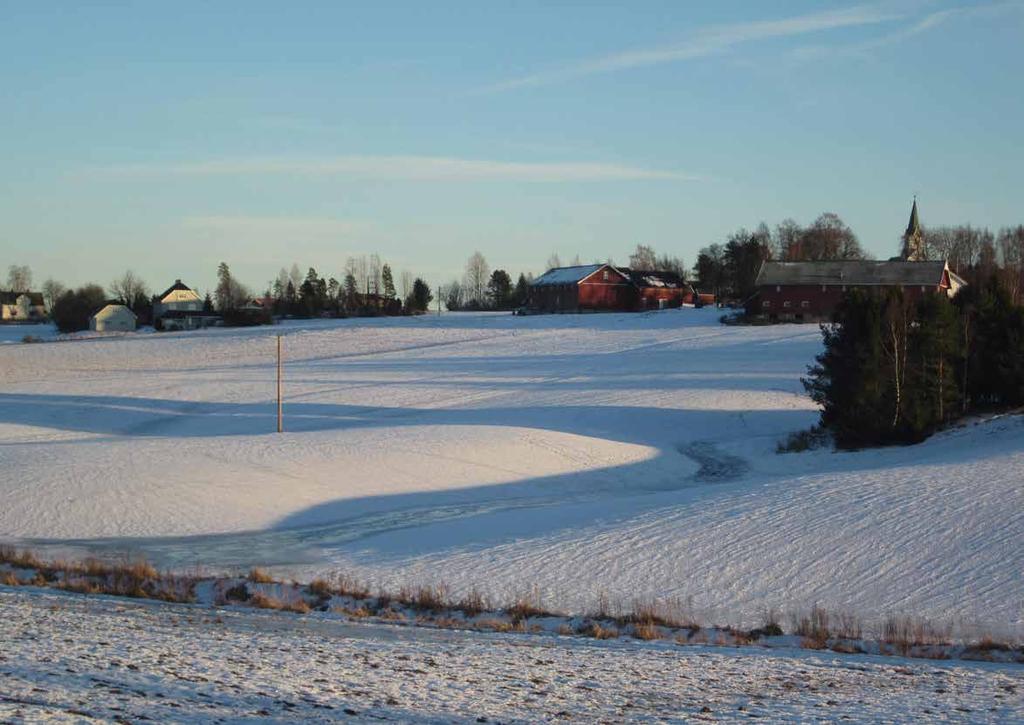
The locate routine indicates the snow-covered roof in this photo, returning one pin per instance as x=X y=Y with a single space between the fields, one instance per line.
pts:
x=566 y=275
x=851 y=273
x=654 y=278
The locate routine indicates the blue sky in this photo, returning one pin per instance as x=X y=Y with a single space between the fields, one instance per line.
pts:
x=168 y=137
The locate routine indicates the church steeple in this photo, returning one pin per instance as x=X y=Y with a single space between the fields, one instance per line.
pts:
x=913 y=238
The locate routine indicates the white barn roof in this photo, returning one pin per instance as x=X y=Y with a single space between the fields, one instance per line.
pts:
x=566 y=275
x=864 y=273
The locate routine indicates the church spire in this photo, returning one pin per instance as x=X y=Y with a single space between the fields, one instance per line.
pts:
x=913 y=238
x=914 y=227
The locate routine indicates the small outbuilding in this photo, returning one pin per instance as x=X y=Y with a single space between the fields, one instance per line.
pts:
x=113 y=318
x=656 y=290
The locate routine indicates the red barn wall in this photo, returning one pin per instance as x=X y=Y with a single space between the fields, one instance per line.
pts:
x=814 y=302
x=607 y=290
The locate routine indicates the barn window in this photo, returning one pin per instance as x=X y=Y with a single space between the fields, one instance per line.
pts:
x=823 y=288
x=805 y=304
x=778 y=288
x=787 y=303
x=606 y=275
x=766 y=303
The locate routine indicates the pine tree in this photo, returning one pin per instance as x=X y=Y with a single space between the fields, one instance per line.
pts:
x=388 y=280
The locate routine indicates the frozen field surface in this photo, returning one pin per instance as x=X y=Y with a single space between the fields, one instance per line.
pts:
x=71 y=658
x=617 y=456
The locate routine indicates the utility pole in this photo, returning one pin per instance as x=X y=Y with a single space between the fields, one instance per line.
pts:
x=280 y=417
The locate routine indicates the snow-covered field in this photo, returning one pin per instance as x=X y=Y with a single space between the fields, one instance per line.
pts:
x=72 y=658
x=626 y=456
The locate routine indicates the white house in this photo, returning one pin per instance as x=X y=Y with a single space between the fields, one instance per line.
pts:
x=181 y=308
x=22 y=307
x=113 y=318
x=178 y=297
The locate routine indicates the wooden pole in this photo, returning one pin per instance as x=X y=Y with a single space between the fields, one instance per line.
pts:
x=280 y=417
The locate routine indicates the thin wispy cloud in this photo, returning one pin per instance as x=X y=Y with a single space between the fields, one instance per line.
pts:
x=919 y=26
x=706 y=42
x=402 y=168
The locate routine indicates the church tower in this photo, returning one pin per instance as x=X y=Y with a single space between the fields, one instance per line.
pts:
x=913 y=239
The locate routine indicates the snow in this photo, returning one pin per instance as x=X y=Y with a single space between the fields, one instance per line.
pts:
x=73 y=658
x=619 y=456
x=16 y=333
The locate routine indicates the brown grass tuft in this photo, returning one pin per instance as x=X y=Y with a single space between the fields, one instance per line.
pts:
x=258 y=576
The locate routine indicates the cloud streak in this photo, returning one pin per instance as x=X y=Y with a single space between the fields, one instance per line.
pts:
x=709 y=41
x=402 y=168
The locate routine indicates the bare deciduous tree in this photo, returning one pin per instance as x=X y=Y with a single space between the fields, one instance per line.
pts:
x=19 y=278
x=52 y=290
x=128 y=288
x=477 y=274
x=643 y=257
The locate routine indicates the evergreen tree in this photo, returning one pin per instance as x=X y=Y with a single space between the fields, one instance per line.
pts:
x=933 y=393
x=522 y=290
x=420 y=297
x=388 y=281
x=499 y=289
x=848 y=381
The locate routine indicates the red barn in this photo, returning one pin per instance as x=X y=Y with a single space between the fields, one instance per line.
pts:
x=804 y=291
x=602 y=287
x=590 y=287
x=660 y=290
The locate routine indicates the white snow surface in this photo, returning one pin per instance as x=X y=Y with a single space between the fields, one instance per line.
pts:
x=580 y=456
x=68 y=658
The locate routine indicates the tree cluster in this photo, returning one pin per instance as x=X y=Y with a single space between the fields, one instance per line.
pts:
x=895 y=370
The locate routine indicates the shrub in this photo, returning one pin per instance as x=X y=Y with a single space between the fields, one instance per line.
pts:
x=238 y=593
x=320 y=588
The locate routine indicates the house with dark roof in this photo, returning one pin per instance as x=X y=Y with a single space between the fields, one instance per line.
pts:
x=22 y=307
x=606 y=288
x=180 y=307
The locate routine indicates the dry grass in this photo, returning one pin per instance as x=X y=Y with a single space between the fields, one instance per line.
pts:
x=8 y=579
x=24 y=559
x=353 y=612
x=320 y=588
x=526 y=605
x=905 y=632
x=473 y=603
x=258 y=576
x=597 y=631
x=813 y=628
x=263 y=601
x=646 y=632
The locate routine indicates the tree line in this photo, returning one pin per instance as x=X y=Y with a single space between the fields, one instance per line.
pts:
x=895 y=370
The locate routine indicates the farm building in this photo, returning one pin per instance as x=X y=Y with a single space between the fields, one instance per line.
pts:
x=113 y=318
x=602 y=287
x=181 y=308
x=659 y=290
x=805 y=291
x=22 y=307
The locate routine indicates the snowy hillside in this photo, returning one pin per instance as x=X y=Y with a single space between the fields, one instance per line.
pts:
x=616 y=455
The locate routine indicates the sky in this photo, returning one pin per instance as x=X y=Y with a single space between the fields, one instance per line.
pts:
x=168 y=137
